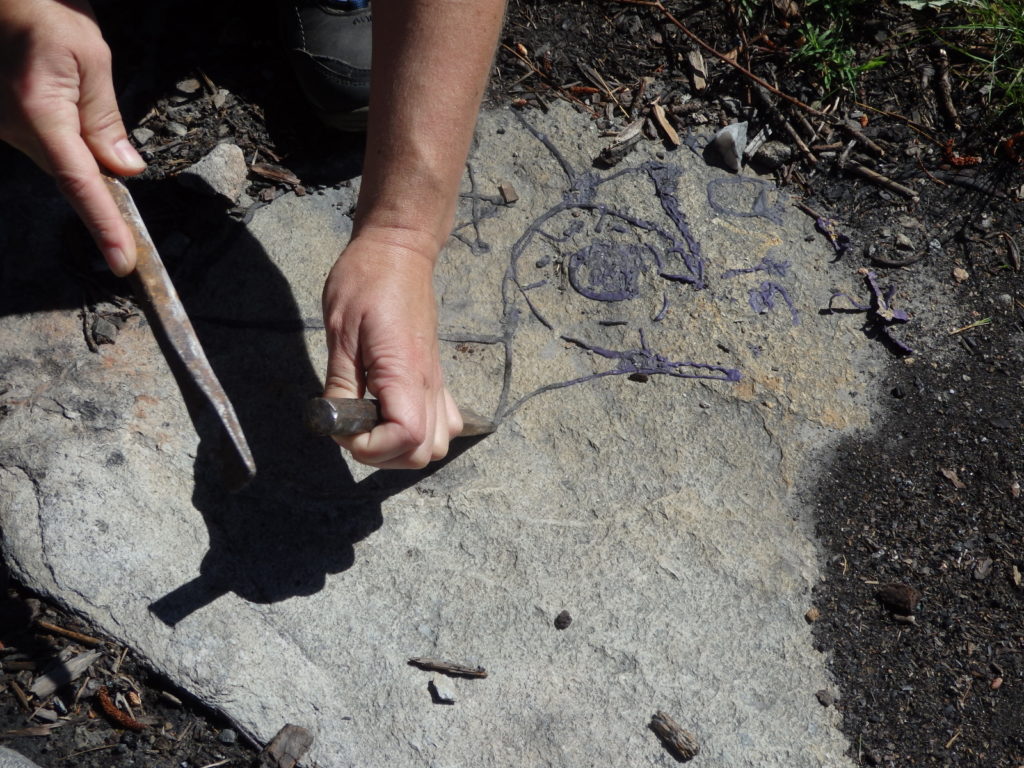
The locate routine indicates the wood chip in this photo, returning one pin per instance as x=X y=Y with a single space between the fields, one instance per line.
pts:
x=508 y=192
x=951 y=475
x=666 y=128
x=698 y=70
x=286 y=748
x=680 y=742
x=448 y=667
x=62 y=673
x=275 y=173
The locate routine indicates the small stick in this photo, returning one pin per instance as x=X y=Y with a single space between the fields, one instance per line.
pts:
x=1012 y=250
x=972 y=326
x=945 y=91
x=78 y=637
x=860 y=138
x=19 y=694
x=811 y=132
x=879 y=179
x=721 y=56
x=93 y=749
x=930 y=175
x=804 y=150
x=120 y=660
x=448 y=667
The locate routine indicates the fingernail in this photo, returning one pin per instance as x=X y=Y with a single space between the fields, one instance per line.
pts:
x=126 y=154
x=118 y=262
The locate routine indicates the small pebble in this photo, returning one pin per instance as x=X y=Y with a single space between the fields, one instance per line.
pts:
x=904 y=243
x=812 y=615
x=227 y=736
x=960 y=274
x=142 y=136
x=983 y=569
x=104 y=331
x=825 y=698
x=176 y=129
x=1005 y=299
x=220 y=97
x=563 y=620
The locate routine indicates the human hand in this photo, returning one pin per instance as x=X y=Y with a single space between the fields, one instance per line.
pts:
x=381 y=321
x=57 y=105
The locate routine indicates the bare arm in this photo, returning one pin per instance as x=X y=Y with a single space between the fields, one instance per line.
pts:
x=430 y=66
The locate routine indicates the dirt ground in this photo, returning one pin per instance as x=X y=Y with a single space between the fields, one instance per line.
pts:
x=921 y=519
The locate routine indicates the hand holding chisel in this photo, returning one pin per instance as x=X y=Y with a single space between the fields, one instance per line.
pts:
x=341 y=416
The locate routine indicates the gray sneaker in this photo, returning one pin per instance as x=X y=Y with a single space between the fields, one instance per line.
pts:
x=328 y=44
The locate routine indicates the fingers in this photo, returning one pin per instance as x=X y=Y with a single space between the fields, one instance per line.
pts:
x=101 y=124
x=78 y=178
x=418 y=415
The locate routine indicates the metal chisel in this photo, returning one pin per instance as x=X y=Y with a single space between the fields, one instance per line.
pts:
x=184 y=354
x=339 y=416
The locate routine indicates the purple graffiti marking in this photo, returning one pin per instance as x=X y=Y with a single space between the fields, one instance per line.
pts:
x=762 y=299
x=881 y=314
x=718 y=191
x=607 y=270
x=830 y=229
x=767 y=264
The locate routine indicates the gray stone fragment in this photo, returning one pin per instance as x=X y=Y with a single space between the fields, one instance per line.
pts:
x=227 y=736
x=301 y=599
x=176 y=129
x=903 y=242
x=104 y=331
x=730 y=142
x=221 y=172
x=142 y=136
x=11 y=759
x=773 y=154
x=220 y=98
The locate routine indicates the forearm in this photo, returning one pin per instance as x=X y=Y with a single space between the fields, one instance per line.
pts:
x=430 y=65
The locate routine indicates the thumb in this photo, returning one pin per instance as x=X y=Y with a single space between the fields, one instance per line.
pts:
x=102 y=128
x=345 y=374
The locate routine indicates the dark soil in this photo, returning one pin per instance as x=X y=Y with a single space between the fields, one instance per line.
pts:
x=929 y=499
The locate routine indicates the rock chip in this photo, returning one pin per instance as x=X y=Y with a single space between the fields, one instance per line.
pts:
x=142 y=136
x=773 y=154
x=221 y=172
